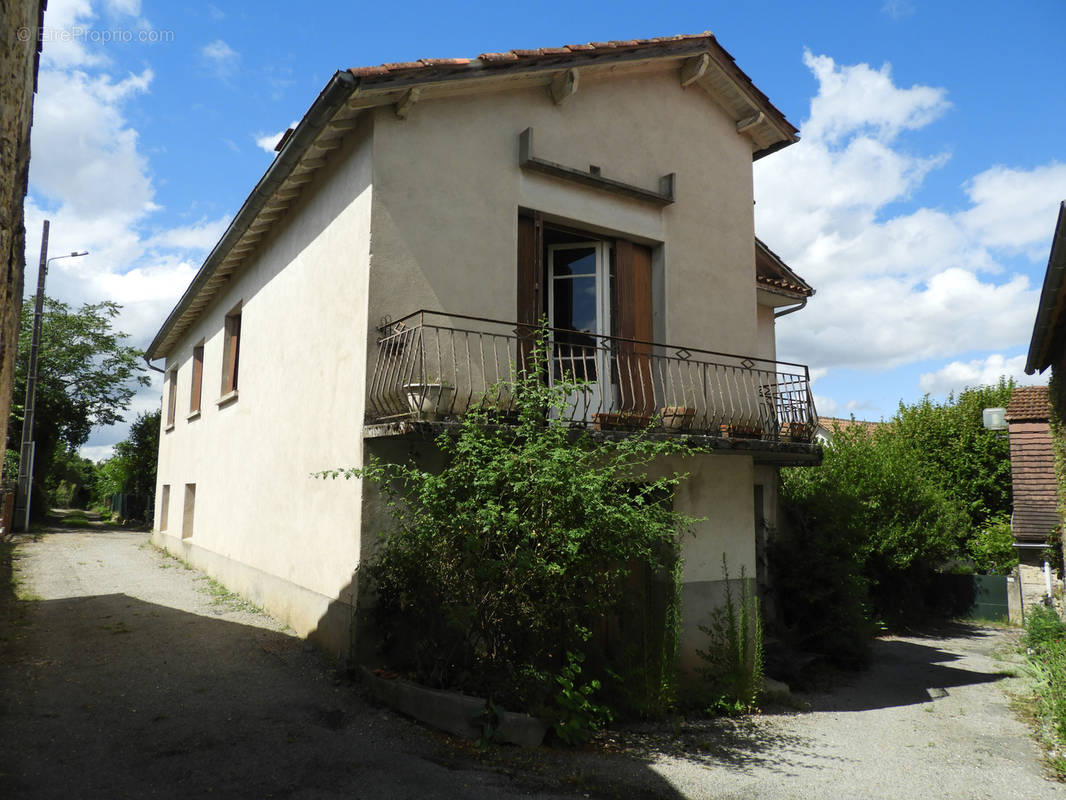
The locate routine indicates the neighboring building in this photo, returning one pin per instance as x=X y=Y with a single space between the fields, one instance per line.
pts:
x=20 y=21
x=1035 y=513
x=828 y=426
x=300 y=344
x=1048 y=345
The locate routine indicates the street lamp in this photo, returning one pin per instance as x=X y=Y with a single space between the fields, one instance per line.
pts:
x=25 y=482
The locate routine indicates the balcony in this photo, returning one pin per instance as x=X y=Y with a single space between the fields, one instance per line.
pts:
x=432 y=367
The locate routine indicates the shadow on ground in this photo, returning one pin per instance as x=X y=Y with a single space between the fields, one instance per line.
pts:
x=110 y=696
x=907 y=671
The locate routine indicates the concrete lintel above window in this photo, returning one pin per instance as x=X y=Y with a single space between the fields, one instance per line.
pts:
x=592 y=177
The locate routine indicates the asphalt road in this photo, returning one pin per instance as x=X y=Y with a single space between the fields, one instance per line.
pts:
x=125 y=674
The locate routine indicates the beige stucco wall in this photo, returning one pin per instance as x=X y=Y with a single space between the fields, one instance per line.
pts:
x=447 y=189
x=262 y=524
x=766 y=340
x=439 y=231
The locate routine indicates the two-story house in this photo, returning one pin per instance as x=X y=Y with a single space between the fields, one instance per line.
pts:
x=388 y=270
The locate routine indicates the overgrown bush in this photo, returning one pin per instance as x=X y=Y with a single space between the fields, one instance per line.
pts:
x=992 y=547
x=865 y=530
x=517 y=553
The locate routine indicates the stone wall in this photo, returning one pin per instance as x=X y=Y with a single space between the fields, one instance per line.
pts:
x=19 y=23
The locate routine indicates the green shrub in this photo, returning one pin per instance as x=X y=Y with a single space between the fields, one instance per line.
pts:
x=992 y=547
x=1045 y=639
x=499 y=566
x=576 y=715
x=1043 y=627
x=865 y=530
x=733 y=659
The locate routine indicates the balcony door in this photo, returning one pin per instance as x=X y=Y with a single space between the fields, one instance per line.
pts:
x=590 y=287
x=579 y=308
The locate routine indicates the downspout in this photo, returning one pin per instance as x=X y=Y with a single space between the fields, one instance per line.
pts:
x=152 y=366
x=791 y=310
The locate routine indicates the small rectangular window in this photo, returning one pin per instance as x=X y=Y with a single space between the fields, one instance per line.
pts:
x=231 y=352
x=190 y=507
x=164 y=507
x=172 y=396
x=197 y=378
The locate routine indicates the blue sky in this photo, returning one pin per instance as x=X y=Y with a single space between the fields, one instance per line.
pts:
x=920 y=202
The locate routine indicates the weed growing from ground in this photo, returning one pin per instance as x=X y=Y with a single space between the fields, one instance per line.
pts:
x=1045 y=642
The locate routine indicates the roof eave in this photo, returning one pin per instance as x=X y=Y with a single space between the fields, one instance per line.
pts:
x=354 y=90
x=1052 y=300
x=329 y=100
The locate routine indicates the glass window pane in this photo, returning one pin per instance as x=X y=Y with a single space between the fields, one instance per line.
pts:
x=578 y=261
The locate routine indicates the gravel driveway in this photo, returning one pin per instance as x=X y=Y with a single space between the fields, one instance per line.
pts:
x=127 y=675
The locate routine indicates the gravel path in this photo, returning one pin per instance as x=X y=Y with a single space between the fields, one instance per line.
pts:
x=127 y=676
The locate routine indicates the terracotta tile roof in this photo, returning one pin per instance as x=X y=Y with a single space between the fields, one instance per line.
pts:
x=528 y=55
x=426 y=69
x=837 y=422
x=1029 y=402
x=771 y=271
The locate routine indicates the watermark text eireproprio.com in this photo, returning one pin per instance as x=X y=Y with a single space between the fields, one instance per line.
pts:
x=96 y=35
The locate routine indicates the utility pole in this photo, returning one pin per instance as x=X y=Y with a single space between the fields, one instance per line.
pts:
x=25 y=483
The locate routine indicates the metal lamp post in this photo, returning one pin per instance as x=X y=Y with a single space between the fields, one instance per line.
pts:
x=25 y=481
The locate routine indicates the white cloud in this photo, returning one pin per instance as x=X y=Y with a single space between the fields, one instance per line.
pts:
x=128 y=7
x=898 y=9
x=959 y=375
x=268 y=141
x=1008 y=205
x=90 y=176
x=199 y=237
x=221 y=58
x=860 y=98
x=84 y=154
x=896 y=289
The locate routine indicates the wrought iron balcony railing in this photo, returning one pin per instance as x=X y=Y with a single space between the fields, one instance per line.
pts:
x=435 y=367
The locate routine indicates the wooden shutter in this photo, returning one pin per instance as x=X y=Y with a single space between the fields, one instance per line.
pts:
x=530 y=281
x=172 y=395
x=232 y=353
x=633 y=320
x=197 y=378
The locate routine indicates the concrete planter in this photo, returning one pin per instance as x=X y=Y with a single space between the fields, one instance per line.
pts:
x=429 y=401
x=454 y=713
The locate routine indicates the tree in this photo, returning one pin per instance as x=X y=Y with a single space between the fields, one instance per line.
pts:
x=71 y=483
x=866 y=528
x=87 y=376
x=971 y=463
x=887 y=508
x=132 y=468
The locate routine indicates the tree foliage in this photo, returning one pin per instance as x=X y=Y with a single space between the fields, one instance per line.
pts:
x=971 y=464
x=87 y=376
x=71 y=481
x=883 y=510
x=501 y=565
x=132 y=467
